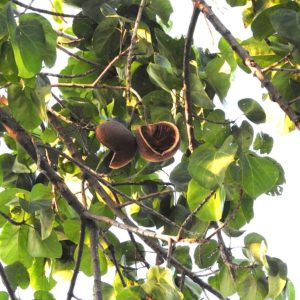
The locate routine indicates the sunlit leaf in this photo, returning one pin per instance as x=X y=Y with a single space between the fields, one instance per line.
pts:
x=257 y=247
x=212 y=209
x=259 y=174
x=208 y=165
x=160 y=284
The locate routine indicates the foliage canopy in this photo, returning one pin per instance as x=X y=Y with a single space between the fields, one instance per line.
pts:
x=123 y=65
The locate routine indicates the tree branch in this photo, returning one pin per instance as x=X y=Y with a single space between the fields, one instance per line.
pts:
x=70 y=294
x=248 y=61
x=186 y=81
x=94 y=240
x=132 y=44
x=7 y=283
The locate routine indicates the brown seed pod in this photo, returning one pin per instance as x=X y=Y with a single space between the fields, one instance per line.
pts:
x=115 y=136
x=158 y=141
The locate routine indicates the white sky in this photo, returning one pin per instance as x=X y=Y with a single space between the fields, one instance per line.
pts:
x=275 y=217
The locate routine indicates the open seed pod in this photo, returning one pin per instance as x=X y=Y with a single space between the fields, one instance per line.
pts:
x=115 y=136
x=158 y=141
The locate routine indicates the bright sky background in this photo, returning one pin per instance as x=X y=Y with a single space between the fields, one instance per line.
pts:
x=275 y=217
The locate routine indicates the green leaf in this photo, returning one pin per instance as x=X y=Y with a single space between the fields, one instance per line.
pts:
x=43 y=295
x=262 y=26
x=198 y=95
x=245 y=136
x=162 y=8
x=11 y=195
x=46 y=219
x=170 y=48
x=227 y=284
x=212 y=210
x=38 y=278
x=277 y=270
x=107 y=291
x=286 y=24
x=40 y=192
x=182 y=254
x=191 y=290
x=3 y=27
x=33 y=206
x=9 y=68
x=129 y=252
x=86 y=262
x=27 y=110
x=217 y=124
x=208 y=165
x=50 y=247
x=72 y=229
x=4 y=296
x=236 y=2
x=106 y=38
x=180 y=175
x=257 y=247
x=163 y=77
x=218 y=73
x=131 y=293
x=263 y=142
x=207 y=254
x=260 y=51
x=259 y=174
x=249 y=287
x=28 y=42
x=13 y=245
x=160 y=284
x=49 y=41
x=252 y=110
x=17 y=275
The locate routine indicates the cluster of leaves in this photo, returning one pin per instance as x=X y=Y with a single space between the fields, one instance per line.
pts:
x=228 y=170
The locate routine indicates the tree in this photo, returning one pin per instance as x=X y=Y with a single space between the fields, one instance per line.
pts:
x=126 y=73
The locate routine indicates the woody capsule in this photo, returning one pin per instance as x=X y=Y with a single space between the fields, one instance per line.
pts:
x=155 y=142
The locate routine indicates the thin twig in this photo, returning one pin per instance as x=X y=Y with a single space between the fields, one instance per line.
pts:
x=275 y=64
x=70 y=294
x=7 y=283
x=78 y=57
x=44 y=11
x=94 y=240
x=13 y=222
x=79 y=75
x=107 y=68
x=248 y=61
x=111 y=249
x=226 y=255
x=141 y=256
x=131 y=47
x=170 y=251
x=186 y=80
x=193 y=213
